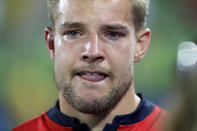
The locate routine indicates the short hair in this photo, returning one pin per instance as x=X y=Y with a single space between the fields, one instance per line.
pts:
x=140 y=10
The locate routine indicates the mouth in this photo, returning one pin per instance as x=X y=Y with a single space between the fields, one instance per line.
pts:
x=93 y=76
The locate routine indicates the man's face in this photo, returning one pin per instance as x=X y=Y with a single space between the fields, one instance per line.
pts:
x=94 y=52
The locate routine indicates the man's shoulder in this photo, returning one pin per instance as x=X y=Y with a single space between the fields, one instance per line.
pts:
x=32 y=124
x=41 y=123
x=162 y=112
x=157 y=115
x=152 y=122
x=155 y=120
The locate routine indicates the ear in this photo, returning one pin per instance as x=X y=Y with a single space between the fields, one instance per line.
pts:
x=143 y=41
x=49 y=38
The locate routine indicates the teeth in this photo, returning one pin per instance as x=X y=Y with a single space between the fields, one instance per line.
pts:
x=95 y=74
x=88 y=73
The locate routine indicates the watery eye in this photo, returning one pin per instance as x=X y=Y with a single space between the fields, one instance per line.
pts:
x=73 y=33
x=114 y=35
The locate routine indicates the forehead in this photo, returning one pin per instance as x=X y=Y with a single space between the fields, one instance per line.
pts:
x=94 y=11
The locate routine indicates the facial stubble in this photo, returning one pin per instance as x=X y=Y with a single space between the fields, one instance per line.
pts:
x=107 y=102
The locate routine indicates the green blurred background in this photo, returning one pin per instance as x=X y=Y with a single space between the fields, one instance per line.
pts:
x=27 y=86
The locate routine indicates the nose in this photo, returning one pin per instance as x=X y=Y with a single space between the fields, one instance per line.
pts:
x=93 y=51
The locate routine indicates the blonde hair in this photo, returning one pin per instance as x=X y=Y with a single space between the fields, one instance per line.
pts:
x=139 y=9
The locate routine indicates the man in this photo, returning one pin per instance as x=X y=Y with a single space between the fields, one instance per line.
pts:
x=94 y=44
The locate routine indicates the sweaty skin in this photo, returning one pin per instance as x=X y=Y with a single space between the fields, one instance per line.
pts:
x=95 y=47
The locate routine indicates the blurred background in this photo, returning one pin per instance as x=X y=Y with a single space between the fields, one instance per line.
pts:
x=27 y=86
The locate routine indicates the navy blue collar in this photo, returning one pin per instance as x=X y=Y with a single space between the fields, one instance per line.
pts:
x=143 y=110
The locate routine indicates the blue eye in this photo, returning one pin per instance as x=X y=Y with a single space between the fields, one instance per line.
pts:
x=74 y=33
x=114 y=35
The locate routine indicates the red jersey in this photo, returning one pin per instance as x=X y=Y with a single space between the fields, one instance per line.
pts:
x=147 y=117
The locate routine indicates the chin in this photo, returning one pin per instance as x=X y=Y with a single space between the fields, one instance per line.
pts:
x=94 y=98
x=94 y=106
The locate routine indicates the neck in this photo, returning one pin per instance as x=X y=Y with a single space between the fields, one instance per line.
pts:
x=126 y=105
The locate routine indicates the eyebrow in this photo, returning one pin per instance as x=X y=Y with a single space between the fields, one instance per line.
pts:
x=115 y=27
x=72 y=25
x=103 y=27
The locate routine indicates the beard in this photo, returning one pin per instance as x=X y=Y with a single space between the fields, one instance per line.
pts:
x=120 y=85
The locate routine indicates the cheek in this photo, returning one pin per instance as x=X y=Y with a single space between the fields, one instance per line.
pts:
x=121 y=58
x=63 y=57
x=67 y=54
